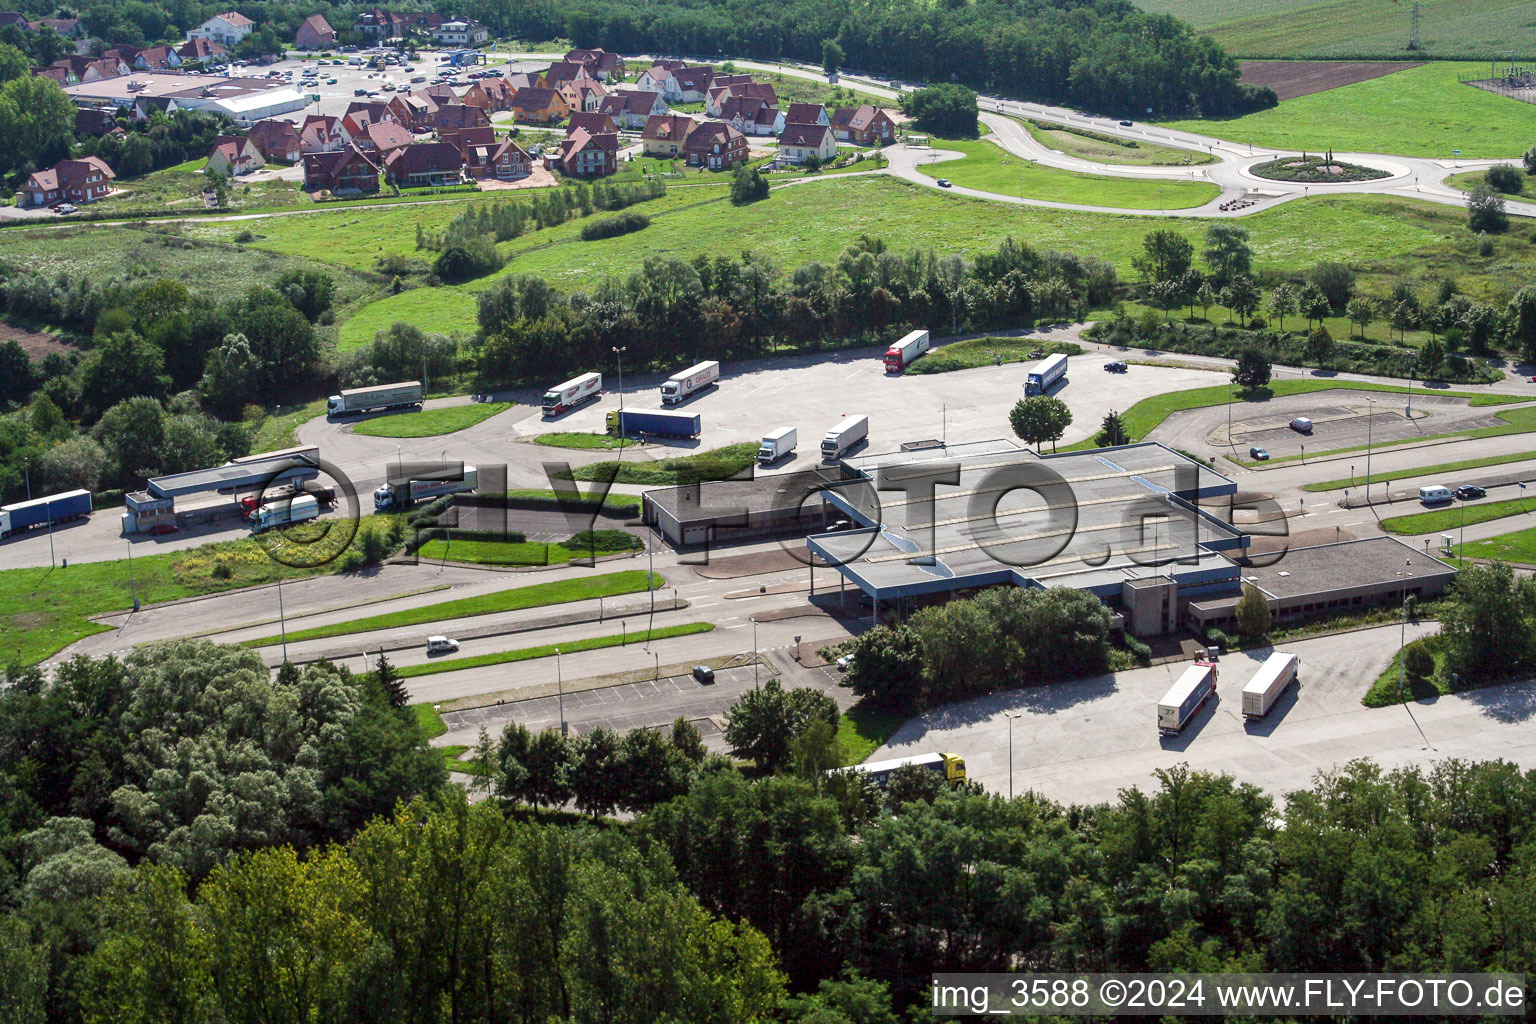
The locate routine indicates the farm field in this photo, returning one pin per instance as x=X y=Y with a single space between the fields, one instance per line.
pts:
x=1293 y=78
x=993 y=169
x=1145 y=154
x=1350 y=28
x=1424 y=111
x=445 y=310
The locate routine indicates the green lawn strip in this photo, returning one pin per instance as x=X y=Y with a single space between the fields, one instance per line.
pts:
x=1516 y=546
x=991 y=168
x=538 y=595
x=1442 y=519
x=966 y=355
x=613 y=500
x=1443 y=467
x=1516 y=421
x=1146 y=415
x=501 y=552
x=715 y=464
x=431 y=422
x=1385 y=692
x=43 y=610
x=863 y=729
x=1144 y=154
x=275 y=430
x=431 y=723
x=1469 y=180
x=591 y=643
x=572 y=439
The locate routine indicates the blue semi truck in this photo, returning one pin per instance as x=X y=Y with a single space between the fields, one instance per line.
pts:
x=654 y=421
x=1046 y=374
x=53 y=508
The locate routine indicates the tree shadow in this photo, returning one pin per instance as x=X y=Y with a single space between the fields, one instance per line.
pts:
x=1510 y=703
x=1044 y=699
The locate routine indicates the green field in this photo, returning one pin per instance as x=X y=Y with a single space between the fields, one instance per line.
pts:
x=1471 y=179
x=537 y=595
x=593 y=643
x=1451 y=517
x=612 y=500
x=991 y=168
x=431 y=422
x=1443 y=467
x=1357 y=28
x=1146 y=154
x=1518 y=546
x=1422 y=111
x=444 y=310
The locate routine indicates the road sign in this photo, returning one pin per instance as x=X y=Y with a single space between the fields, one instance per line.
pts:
x=1455 y=152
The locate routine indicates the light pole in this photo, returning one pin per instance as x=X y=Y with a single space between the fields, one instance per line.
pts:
x=1011 y=717
x=754 y=652
x=1370 y=420
x=560 y=690
x=619 y=351
x=282 y=618
x=1402 y=645
x=26 y=469
x=398 y=471
x=48 y=511
x=133 y=588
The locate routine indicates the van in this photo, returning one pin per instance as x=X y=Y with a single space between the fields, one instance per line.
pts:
x=441 y=644
x=1434 y=494
x=1302 y=424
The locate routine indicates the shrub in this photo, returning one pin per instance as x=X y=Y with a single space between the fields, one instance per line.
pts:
x=1418 y=661
x=1139 y=650
x=1505 y=178
x=603 y=541
x=612 y=227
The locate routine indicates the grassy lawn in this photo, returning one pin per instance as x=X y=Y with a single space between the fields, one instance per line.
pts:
x=1144 y=417
x=483 y=551
x=43 y=610
x=1471 y=179
x=1516 y=421
x=1443 y=467
x=444 y=310
x=863 y=729
x=993 y=169
x=573 y=439
x=1145 y=154
x=535 y=596
x=715 y=464
x=966 y=355
x=1518 y=546
x=275 y=431
x=1442 y=519
x=430 y=722
x=612 y=500
x=1423 y=111
x=592 y=643
x=431 y=422
x=1385 y=691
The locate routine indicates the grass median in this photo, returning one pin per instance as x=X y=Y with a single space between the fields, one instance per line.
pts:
x=1442 y=467
x=592 y=643
x=715 y=464
x=967 y=355
x=575 y=439
x=611 y=501
x=1452 y=517
x=582 y=588
x=431 y=422
x=1517 y=546
x=862 y=730
x=481 y=550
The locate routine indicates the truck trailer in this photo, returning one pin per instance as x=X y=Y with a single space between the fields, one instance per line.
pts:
x=356 y=401
x=431 y=485
x=900 y=355
x=1268 y=683
x=1045 y=374
x=1184 y=698
x=324 y=495
x=681 y=386
x=776 y=444
x=950 y=766
x=54 y=508
x=660 y=422
x=285 y=512
x=849 y=431
x=564 y=397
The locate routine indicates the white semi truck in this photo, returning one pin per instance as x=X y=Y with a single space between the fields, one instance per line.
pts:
x=431 y=485
x=681 y=386
x=1185 y=697
x=284 y=512
x=849 y=431
x=355 y=401
x=900 y=355
x=574 y=392
x=776 y=444
x=1268 y=683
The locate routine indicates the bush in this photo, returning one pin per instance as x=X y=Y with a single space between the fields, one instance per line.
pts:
x=602 y=541
x=473 y=258
x=612 y=227
x=1139 y=650
x=1505 y=178
x=1419 y=661
x=748 y=185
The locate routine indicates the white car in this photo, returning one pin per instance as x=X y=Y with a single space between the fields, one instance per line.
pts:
x=844 y=662
x=441 y=644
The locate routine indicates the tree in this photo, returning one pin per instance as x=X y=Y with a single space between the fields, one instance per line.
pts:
x=1166 y=255
x=132 y=432
x=13 y=63
x=1488 y=626
x=886 y=665
x=1522 y=321
x=595 y=771
x=1485 y=211
x=1282 y=301
x=763 y=724
x=1361 y=312
x=77 y=463
x=1505 y=178
x=549 y=763
x=1403 y=316
x=1252 y=613
x=37 y=121
x=1335 y=280
x=1227 y=253
x=1242 y=297
x=390 y=682
x=1206 y=297
x=832 y=57
x=945 y=110
x=748 y=185
x=1529 y=159
x=1320 y=345
x=310 y=291
x=1313 y=304
x=16 y=376
x=1253 y=369
x=1431 y=355
x=121 y=367
x=231 y=374
x=1418 y=661
x=1040 y=418
x=1112 y=432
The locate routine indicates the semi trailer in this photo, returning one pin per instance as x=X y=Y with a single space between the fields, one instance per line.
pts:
x=1268 y=683
x=1045 y=374
x=681 y=386
x=950 y=766
x=849 y=431
x=564 y=397
x=660 y=422
x=430 y=485
x=776 y=444
x=356 y=401
x=53 y=508
x=285 y=512
x=900 y=355
x=1185 y=697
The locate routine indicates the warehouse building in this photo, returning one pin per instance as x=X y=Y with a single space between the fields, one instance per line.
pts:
x=244 y=100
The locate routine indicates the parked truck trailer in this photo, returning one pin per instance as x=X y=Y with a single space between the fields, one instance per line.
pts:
x=356 y=401
x=900 y=355
x=681 y=386
x=1268 y=683
x=1045 y=374
x=776 y=444
x=564 y=397
x=849 y=431
x=950 y=766
x=53 y=508
x=1185 y=697
x=284 y=512
x=431 y=485
x=661 y=422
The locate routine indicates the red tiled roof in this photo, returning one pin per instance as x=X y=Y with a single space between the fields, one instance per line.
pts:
x=660 y=127
x=804 y=135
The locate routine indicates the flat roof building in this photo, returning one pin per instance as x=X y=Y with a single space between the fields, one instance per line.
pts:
x=246 y=100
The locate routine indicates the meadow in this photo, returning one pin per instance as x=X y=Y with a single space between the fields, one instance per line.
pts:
x=1422 y=111
x=430 y=422
x=990 y=168
x=1144 y=153
x=445 y=310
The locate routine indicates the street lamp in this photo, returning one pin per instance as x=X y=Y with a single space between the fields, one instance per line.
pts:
x=282 y=618
x=560 y=690
x=754 y=652
x=1370 y=421
x=1010 y=718
x=1402 y=646
x=26 y=468
x=133 y=588
x=619 y=351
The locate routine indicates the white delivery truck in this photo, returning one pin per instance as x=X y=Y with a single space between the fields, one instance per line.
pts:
x=388 y=498
x=285 y=512
x=355 y=401
x=1184 y=698
x=850 y=430
x=691 y=381
x=900 y=355
x=572 y=393
x=776 y=444
x=1268 y=683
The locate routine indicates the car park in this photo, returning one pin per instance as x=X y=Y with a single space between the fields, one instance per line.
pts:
x=1258 y=454
x=441 y=644
x=1466 y=491
x=704 y=674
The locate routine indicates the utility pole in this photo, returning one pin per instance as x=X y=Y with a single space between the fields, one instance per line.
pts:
x=282 y=618
x=754 y=652
x=26 y=468
x=619 y=351
x=560 y=690
x=133 y=588
x=1369 y=421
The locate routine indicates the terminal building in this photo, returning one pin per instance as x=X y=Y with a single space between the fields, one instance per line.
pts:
x=208 y=494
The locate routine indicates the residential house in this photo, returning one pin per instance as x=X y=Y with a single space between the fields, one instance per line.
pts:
x=806 y=113
x=583 y=93
x=345 y=171
x=146 y=107
x=583 y=155
x=69 y=181
x=315 y=34
x=632 y=108
x=504 y=161
x=321 y=133
x=481 y=135
x=565 y=71
x=125 y=52
x=369 y=111
x=540 y=106
x=412 y=110
x=458 y=116
x=715 y=145
x=277 y=141
x=604 y=66
x=157 y=58
x=425 y=164
x=232 y=155
x=866 y=125
x=69 y=28
x=665 y=134
x=55 y=74
x=655 y=77
x=465 y=32
x=595 y=122
x=228 y=28
x=751 y=116
x=11 y=19
x=382 y=25
x=95 y=120
x=205 y=50
x=440 y=94
x=491 y=95
x=382 y=138
x=78 y=68
x=691 y=84
x=799 y=142
x=521 y=80
x=722 y=87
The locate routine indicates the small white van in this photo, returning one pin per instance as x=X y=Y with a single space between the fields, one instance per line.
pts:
x=1434 y=494
x=1302 y=425
x=441 y=644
